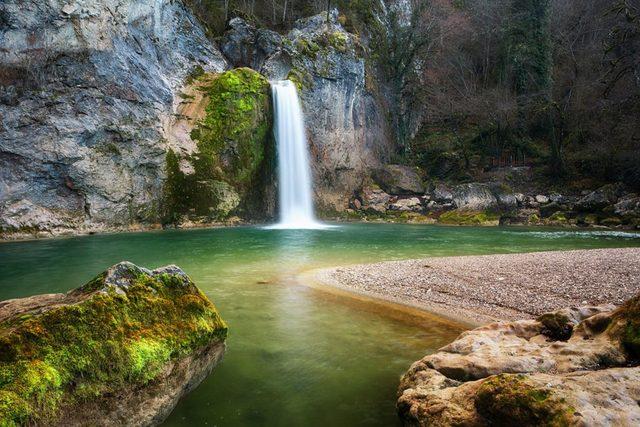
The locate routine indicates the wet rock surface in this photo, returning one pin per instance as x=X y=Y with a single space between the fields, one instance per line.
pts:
x=519 y=373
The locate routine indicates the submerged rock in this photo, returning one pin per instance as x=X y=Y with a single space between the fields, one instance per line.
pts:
x=572 y=367
x=120 y=350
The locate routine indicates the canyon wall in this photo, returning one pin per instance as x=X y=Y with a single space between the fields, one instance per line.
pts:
x=87 y=92
x=99 y=102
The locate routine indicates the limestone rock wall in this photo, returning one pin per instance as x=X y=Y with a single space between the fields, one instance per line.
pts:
x=347 y=130
x=87 y=91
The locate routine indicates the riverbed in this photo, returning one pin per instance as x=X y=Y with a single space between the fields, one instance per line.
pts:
x=296 y=355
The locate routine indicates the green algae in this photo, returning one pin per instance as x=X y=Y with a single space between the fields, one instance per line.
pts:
x=235 y=151
x=469 y=217
x=509 y=399
x=103 y=341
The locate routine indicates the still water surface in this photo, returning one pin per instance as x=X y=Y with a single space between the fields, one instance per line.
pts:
x=296 y=355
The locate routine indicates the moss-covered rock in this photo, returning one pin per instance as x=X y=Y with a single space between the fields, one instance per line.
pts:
x=129 y=331
x=461 y=217
x=511 y=400
x=235 y=152
x=625 y=326
x=512 y=373
x=557 y=325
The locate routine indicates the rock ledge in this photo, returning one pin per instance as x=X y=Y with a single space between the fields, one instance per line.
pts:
x=570 y=367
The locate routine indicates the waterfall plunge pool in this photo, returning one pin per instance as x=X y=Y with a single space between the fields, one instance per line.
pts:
x=296 y=355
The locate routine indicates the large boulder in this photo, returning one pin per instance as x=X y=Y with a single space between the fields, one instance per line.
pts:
x=601 y=198
x=628 y=206
x=87 y=90
x=246 y=46
x=411 y=204
x=120 y=350
x=398 y=179
x=474 y=197
x=441 y=193
x=570 y=367
x=374 y=199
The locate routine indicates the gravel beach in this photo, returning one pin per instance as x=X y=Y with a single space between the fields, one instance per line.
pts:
x=481 y=289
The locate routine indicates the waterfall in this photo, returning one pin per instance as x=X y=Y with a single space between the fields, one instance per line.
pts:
x=294 y=172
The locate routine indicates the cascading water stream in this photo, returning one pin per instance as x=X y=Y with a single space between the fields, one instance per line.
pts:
x=294 y=174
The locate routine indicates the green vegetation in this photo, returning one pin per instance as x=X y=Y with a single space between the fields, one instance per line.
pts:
x=557 y=326
x=626 y=326
x=509 y=399
x=104 y=341
x=469 y=217
x=527 y=47
x=235 y=150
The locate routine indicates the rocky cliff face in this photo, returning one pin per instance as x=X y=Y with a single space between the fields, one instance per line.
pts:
x=347 y=131
x=99 y=102
x=87 y=93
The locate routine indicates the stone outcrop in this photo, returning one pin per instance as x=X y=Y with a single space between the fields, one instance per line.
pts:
x=570 y=367
x=120 y=350
x=348 y=133
x=229 y=167
x=346 y=125
x=246 y=46
x=488 y=203
x=474 y=197
x=87 y=92
x=398 y=179
x=600 y=198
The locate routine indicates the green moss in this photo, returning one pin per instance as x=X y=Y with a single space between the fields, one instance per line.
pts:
x=107 y=341
x=234 y=150
x=626 y=326
x=301 y=79
x=557 y=326
x=558 y=217
x=14 y=411
x=307 y=48
x=469 y=218
x=508 y=399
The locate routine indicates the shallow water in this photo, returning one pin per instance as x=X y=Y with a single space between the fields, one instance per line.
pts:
x=296 y=355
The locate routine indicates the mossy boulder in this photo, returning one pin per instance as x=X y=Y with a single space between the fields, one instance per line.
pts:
x=121 y=349
x=234 y=163
x=513 y=400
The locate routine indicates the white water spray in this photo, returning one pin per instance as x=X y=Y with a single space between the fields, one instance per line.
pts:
x=294 y=174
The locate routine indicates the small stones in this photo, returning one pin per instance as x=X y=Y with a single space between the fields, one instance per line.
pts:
x=541 y=199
